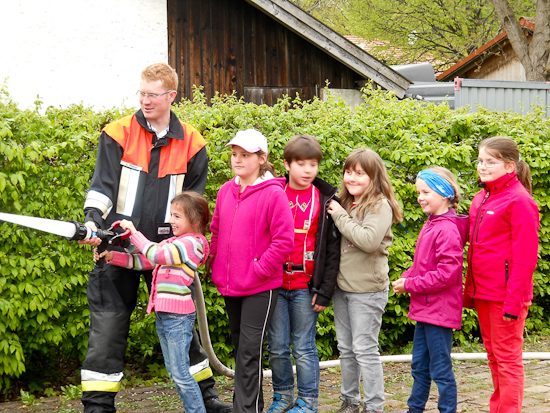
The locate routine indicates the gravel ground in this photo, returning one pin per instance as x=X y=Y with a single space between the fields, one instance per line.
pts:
x=473 y=378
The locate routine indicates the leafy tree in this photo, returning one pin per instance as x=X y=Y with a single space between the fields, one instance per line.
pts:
x=330 y=12
x=439 y=31
x=534 y=56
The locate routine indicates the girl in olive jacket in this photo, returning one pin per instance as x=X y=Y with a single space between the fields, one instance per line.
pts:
x=364 y=219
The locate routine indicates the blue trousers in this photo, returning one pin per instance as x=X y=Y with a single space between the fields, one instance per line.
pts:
x=294 y=323
x=175 y=333
x=431 y=360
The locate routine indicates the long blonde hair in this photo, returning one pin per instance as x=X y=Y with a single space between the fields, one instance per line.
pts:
x=379 y=188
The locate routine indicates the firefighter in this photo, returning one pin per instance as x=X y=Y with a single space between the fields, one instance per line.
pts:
x=143 y=161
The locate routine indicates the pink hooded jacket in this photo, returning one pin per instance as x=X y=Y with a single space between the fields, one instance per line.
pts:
x=252 y=236
x=435 y=278
x=503 y=252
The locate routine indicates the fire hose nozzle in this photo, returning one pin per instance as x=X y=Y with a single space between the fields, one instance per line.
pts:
x=82 y=232
x=110 y=236
x=71 y=230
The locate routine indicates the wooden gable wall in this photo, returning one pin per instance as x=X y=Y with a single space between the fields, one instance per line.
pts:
x=227 y=45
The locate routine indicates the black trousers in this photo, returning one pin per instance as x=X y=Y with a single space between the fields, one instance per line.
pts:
x=112 y=296
x=248 y=320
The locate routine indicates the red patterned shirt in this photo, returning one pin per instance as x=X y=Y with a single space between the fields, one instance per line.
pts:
x=305 y=207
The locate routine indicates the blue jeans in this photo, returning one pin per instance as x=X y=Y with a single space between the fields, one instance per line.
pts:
x=431 y=360
x=358 y=318
x=175 y=333
x=294 y=323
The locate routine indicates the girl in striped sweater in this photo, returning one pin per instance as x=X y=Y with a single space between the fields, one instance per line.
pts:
x=175 y=261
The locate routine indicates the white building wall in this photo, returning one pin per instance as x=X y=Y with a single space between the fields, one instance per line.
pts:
x=512 y=70
x=89 y=51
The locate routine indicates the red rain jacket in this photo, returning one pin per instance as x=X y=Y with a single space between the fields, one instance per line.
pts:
x=504 y=225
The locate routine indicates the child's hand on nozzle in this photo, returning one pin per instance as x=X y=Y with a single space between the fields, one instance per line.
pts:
x=333 y=206
x=107 y=254
x=94 y=241
x=399 y=286
x=128 y=225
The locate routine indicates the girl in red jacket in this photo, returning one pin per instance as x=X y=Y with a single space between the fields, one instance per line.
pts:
x=504 y=224
x=435 y=284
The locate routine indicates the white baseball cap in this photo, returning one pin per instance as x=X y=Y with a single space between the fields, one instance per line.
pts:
x=250 y=140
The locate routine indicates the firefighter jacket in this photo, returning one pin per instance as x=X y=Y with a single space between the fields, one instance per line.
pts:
x=137 y=175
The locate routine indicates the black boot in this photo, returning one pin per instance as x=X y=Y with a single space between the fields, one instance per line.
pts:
x=215 y=405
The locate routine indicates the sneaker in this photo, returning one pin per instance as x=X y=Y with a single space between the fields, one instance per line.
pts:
x=279 y=404
x=372 y=411
x=300 y=407
x=347 y=407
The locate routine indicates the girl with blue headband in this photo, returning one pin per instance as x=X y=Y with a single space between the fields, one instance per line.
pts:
x=435 y=283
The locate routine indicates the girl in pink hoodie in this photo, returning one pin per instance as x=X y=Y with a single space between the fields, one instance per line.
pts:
x=435 y=284
x=252 y=235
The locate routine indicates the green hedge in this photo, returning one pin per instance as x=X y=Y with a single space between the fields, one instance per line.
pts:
x=47 y=160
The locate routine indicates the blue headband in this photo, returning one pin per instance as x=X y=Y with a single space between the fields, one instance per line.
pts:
x=437 y=183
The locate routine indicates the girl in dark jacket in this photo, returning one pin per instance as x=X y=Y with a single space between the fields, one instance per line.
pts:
x=504 y=224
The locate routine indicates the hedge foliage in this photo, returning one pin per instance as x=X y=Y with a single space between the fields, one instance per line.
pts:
x=47 y=159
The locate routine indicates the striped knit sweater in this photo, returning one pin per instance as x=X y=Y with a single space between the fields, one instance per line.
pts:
x=176 y=261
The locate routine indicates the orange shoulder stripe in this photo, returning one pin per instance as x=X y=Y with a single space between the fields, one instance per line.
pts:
x=173 y=159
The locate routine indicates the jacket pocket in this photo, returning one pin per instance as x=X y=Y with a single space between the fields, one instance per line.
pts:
x=258 y=270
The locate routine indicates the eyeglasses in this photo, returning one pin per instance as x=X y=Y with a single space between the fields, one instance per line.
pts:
x=152 y=95
x=488 y=164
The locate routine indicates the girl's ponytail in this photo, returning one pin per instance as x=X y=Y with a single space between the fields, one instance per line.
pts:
x=266 y=167
x=524 y=175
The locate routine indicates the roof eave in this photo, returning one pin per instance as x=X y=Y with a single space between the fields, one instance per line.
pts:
x=315 y=32
x=468 y=61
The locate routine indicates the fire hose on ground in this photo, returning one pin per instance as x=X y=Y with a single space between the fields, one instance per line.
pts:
x=75 y=231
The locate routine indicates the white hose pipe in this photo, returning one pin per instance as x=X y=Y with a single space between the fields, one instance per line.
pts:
x=407 y=358
x=205 y=333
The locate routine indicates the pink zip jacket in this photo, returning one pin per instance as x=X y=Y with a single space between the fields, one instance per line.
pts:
x=252 y=236
x=435 y=278
x=176 y=261
x=504 y=225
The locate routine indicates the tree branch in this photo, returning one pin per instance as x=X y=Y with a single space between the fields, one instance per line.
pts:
x=515 y=34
